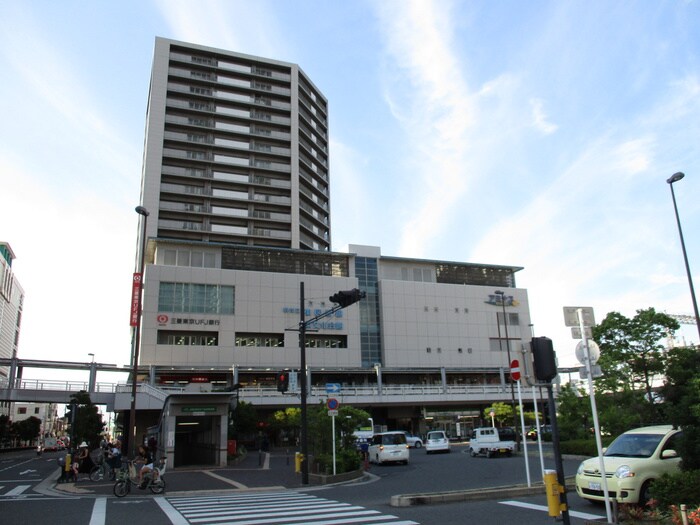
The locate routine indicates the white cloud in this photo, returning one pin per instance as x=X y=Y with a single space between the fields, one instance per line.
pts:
x=539 y=118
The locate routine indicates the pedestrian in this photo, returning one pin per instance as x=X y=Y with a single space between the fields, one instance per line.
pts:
x=84 y=463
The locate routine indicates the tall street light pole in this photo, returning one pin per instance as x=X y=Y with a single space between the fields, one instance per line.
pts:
x=512 y=390
x=675 y=178
x=138 y=279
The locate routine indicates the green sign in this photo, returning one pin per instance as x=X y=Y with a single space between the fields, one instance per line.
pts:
x=199 y=409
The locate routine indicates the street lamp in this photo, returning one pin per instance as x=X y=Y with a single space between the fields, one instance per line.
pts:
x=137 y=332
x=92 y=356
x=512 y=390
x=675 y=178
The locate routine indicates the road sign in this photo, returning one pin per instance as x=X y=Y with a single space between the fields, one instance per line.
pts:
x=515 y=370
x=332 y=388
x=333 y=413
x=576 y=332
x=293 y=381
x=571 y=316
x=593 y=349
x=332 y=403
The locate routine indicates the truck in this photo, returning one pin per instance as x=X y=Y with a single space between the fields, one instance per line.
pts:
x=487 y=441
x=50 y=444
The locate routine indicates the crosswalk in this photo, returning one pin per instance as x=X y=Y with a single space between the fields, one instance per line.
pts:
x=277 y=508
x=15 y=491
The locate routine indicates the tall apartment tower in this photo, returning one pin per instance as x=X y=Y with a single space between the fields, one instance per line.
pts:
x=11 y=304
x=236 y=150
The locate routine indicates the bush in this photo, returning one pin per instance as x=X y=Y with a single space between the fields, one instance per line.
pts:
x=583 y=447
x=345 y=461
x=679 y=487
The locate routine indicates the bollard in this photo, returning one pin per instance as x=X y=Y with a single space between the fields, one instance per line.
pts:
x=553 y=492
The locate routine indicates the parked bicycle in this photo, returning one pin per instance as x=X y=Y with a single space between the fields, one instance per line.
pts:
x=102 y=471
x=128 y=475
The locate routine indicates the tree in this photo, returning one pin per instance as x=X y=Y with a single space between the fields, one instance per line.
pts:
x=27 y=429
x=88 y=421
x=573 y=413
x=632 y=356
x=5 y=432
x=502 y=413
x=681 y=395
x=243 y=420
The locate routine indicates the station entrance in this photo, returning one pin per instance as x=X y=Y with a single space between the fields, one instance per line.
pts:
x=193 y=429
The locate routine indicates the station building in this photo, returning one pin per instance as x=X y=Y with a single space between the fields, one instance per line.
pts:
x=235 y=205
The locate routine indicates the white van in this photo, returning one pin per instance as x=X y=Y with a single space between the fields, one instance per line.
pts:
x=389 y=447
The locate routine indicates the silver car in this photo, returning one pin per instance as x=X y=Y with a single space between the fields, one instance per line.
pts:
x=389 y=447
x=437 y=441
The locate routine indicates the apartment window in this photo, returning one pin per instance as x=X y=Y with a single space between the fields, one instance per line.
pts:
x=177 y=338
x=21 y=410
x=260 y=340
x=196 y=298
x=512 y=317
x=498 y=345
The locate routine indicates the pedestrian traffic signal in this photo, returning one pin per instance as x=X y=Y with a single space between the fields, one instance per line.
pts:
x=544 y=359
x=347 y=297
x=282 y=381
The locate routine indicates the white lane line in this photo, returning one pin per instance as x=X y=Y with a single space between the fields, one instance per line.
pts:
x=99 y=512
x=174 y=516
x=573 y=513
x=19 y=489
x=226 y=480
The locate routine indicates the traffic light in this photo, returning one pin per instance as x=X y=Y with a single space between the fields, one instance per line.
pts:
x=347 y=297
x=71 y=411
x=282 y=381
x=544 y=359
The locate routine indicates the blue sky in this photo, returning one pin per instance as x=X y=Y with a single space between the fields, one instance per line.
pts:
x=536 y=134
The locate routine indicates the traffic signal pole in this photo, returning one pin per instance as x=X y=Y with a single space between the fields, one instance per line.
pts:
x=342 y=300
x=302 y=375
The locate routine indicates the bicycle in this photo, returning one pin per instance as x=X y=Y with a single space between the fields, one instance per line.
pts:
x=102 y=470
x=128 y=475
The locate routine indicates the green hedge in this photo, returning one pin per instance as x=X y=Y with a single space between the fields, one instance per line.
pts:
x=677 y=488
x=583 y=447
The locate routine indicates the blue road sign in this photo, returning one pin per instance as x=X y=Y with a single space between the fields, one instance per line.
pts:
x=332 y=388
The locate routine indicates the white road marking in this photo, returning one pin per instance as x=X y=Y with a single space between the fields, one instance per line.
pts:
x=226 y=480
x=572 y=513
x=99 y=512
x=174 y=516
x=19 y=489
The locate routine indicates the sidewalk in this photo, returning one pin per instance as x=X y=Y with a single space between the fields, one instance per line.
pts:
x=257 y=471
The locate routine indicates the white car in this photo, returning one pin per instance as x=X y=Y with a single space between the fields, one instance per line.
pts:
x=437 y=441
x=632 y=462
x=389 y=447
x=413 y=441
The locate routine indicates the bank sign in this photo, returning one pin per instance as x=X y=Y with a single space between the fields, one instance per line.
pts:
x=330 y=323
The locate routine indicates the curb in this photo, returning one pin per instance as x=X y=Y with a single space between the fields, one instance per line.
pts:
x=508 y=491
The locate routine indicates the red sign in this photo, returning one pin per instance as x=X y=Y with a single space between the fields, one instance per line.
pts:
x=136 y=299
x=332 y=403
x=515 y=370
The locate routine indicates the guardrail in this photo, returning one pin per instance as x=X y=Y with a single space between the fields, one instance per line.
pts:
x=348 y=392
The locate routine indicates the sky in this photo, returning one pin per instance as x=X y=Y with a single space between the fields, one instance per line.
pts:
x=534 y=134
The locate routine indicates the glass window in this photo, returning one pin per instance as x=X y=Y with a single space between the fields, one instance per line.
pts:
x=183 y=257
x=169 y=257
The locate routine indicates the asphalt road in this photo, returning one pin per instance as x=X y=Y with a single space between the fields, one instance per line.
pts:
x=28 y=493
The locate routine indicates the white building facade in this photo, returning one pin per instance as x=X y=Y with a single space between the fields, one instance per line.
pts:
x=236 y=185
x=11 y=304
